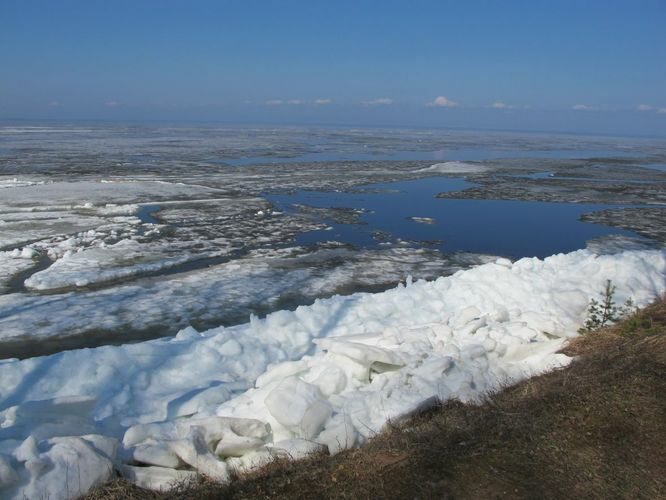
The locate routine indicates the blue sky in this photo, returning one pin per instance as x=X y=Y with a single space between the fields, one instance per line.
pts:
x=589 y=66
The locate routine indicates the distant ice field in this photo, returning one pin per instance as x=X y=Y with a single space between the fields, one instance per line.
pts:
x=114 y=234
x=203 y=299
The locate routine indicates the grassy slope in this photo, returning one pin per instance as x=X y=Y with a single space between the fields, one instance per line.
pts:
x=593 y=430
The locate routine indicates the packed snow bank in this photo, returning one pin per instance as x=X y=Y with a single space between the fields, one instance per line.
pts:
x=323 y=377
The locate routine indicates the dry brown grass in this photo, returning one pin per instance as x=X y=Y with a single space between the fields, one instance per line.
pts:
x=593 y=430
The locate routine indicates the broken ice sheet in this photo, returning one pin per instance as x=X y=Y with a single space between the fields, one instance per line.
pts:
x=263 y=281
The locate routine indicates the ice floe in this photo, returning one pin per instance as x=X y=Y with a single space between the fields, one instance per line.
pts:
x=16 y=182
x=14 y=262
x=319 y=378
x=455 y=167
x=106 y=263
x=223 y=293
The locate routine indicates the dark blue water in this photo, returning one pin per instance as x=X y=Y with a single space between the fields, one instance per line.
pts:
x=510 y=228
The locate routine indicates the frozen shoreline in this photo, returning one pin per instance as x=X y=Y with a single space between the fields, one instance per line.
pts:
x=322 y=376
x=325 y=375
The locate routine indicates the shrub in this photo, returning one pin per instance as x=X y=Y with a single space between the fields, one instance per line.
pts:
x=605 y=312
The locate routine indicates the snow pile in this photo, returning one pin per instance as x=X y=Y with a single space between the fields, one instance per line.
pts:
x=322 y=377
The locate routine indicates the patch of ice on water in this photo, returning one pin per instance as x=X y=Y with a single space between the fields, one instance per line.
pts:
x=99 y=193
x=14 y=262
x=224 y=292
x=106 y=263
x=16 y=182
x=454 y=167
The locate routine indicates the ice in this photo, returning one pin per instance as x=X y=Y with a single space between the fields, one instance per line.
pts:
x=454 y=167
x=62 y=467
x=156 y=478
x=17 y=183
x=90 y=194
x=105 y=263
x=222 y=293
x=298 y=406
x=14 y=262
x=422 y=220
x=297 y=448
x=319 y=378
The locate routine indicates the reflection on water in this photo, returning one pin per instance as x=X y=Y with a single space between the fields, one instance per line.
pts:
x=510 y=228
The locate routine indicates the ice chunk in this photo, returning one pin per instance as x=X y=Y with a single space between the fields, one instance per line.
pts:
x=298 y=448
x=339 y=435
x=298 y=406
x=364 y=354
x=158 y=453
x=67 y=468
x=156 y=478
x=193 y=450
x=233 y=445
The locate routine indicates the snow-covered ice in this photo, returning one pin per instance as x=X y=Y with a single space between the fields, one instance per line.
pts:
x=88 y=194
x=107 y=263
x=322 y=377
x=14 y=262
x=222 y=293
x=454 y=167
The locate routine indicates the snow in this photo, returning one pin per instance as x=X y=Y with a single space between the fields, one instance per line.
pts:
x=422 y=220
x=95 y=193
x=321 y=377
x=14 y=262
x=105 y=263
x=225 y=292
x=455 y=167
x=15 y=182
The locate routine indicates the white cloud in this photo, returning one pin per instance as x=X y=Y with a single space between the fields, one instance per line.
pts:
x=381 y=101
x=321 y=102
x=644 y=107
x=55 y=104
x=274 y=102
x=442 y=102
x=111 y=104
x=661 y=110
x=295 y=102
x=501 y=105
x=583 y=107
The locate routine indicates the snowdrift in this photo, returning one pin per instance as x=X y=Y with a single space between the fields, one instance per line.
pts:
x=323 y=377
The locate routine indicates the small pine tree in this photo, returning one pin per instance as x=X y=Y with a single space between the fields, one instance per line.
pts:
x=604 y=312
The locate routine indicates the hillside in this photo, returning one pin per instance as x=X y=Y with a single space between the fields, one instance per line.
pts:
x=594 y=429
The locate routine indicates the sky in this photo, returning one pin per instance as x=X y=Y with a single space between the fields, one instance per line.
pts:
x=575 y=66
